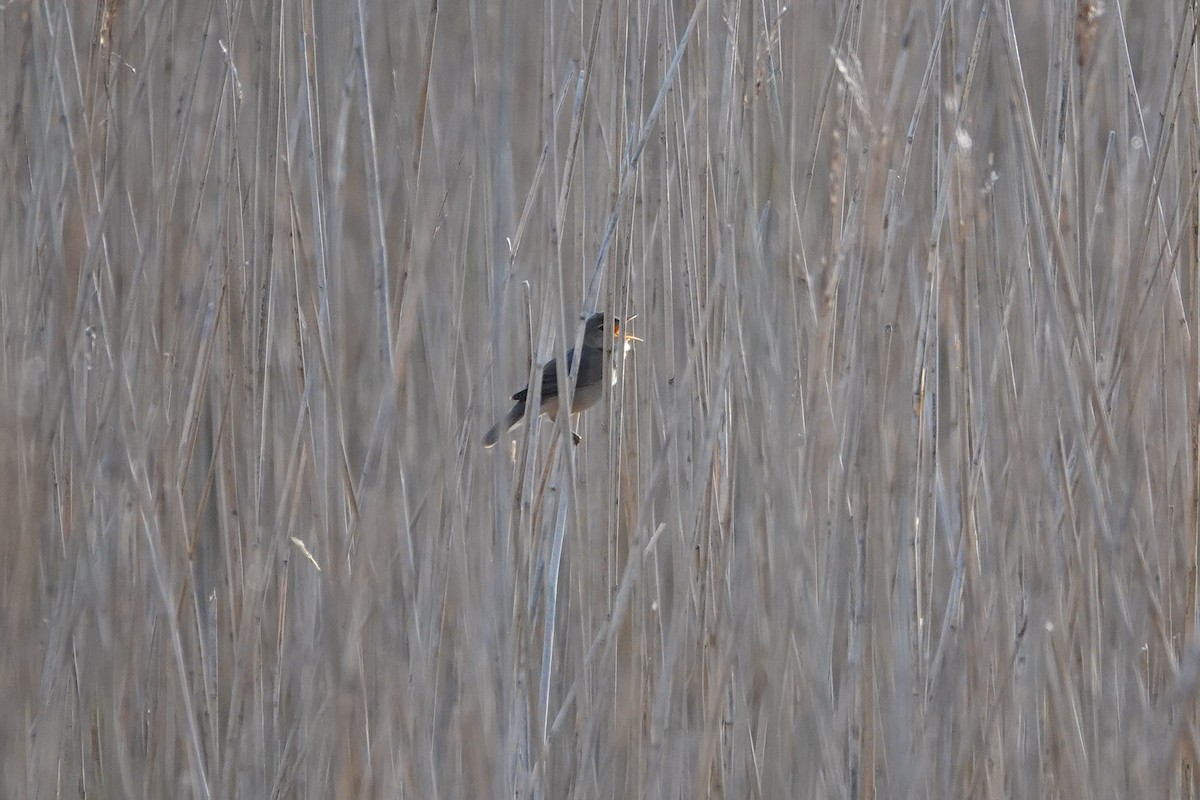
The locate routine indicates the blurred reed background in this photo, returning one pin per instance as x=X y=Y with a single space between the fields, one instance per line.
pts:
x=898 y=498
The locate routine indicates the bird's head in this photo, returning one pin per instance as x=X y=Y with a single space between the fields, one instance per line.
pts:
x=600 y=328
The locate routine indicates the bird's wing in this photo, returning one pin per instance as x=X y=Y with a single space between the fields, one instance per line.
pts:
x=550 y=376
x=549 y=381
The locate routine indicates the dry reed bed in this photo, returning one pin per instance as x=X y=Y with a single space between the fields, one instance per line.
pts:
x=898 y=498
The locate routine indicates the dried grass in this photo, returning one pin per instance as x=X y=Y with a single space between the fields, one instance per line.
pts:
x=898 y=498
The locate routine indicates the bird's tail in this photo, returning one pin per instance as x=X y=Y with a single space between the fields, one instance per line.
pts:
x=513 y=416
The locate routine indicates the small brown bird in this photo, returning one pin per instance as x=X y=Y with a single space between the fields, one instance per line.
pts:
x=589 y=383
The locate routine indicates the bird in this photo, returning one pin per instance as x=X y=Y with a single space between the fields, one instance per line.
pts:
x=589 y=382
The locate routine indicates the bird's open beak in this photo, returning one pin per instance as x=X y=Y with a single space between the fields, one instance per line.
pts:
x=629 y=337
